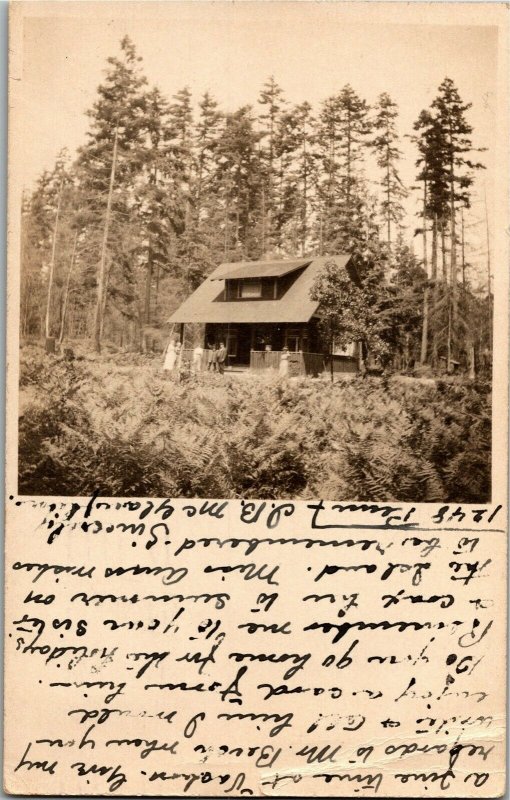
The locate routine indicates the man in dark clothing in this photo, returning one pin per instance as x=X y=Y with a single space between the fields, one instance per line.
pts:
x=221 y=355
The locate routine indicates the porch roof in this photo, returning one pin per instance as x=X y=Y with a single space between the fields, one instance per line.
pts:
x=296 y=305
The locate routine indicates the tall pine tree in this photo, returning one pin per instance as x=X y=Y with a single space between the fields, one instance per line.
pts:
x=388 y=155
x=109 y=165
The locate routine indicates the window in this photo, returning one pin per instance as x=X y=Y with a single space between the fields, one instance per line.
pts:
x=250 y=287
x=348 y=350
x=293 y=342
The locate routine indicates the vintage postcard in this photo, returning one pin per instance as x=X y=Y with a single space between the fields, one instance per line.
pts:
x=257 y=399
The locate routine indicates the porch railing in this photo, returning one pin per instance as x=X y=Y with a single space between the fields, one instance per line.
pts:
x=264 y=359
x=299 y=363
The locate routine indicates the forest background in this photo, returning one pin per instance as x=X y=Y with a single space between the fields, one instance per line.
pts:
x=164 y=186
x=163 y=189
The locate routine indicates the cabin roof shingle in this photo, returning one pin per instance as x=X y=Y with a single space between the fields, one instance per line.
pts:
x=296 y=305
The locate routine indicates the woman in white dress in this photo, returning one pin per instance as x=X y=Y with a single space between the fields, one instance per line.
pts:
x=284 y=363
x=197 y=358
x=170 y=356
x=178 y=353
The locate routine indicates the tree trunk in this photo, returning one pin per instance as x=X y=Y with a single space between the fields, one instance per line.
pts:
x=226 y=231
x=434 y=249
x=424 y=215
x=425 y=319
x=449 y=337
x=443 y=254
x=305 y=198
x=361 y=361
x=72 y=319
x=156 y=293
x=489 y=276
x=47 y=326
x=148 y=286
x=66 y=291
x=102 y=277
x=435 y=289
x=463 y=249
x=406 y=352
x=388 y=192
x=148 y=277
x=471 y=360
x=198 y=194
x=349 y=165
x=453 y=246
x=105 y=294
x=425 y=327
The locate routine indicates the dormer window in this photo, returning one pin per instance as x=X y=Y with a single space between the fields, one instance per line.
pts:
x=249 y=288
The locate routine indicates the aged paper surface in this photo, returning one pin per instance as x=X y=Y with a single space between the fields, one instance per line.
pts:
x=288 y=646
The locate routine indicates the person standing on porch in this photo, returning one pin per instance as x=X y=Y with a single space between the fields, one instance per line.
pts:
x=211 y=358
x=221 y=355
x=197 y=358
x=170 y=357
x=284 y=363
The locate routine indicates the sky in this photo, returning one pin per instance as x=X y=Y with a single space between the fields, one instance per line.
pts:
x=230 y=49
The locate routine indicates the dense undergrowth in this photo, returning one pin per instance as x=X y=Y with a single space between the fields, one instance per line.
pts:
x=126 y=430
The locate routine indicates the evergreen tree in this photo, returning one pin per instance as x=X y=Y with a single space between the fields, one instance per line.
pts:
x=328 y=195
x=37 y=223
x=160 y=196
x=388 y=155
x=286 y=190
x=342 y=137
x=406 y=309
x=272 y=101
x=181 y=126
x=206 y=144
x=157 y=198
x=456 y=132
x=443 y=143
x=304 y=172
x=240 y=177
x=432 y=173
x=108 y=168
x=355 y=127
x=46 y=218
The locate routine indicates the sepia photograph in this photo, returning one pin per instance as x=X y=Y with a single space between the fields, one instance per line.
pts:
x=255 y=262
x=257 y=399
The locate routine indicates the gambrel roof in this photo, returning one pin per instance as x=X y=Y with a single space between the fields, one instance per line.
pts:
x=206 y=304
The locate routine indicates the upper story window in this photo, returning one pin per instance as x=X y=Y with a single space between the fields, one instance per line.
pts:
x=249 y=287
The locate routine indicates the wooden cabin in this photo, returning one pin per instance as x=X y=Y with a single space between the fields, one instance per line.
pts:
x=256 y=308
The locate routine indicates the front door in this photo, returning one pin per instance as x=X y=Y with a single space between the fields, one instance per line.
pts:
x=243 y=345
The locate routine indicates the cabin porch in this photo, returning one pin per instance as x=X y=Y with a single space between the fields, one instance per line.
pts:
x=242 y=340
x=258 y=348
